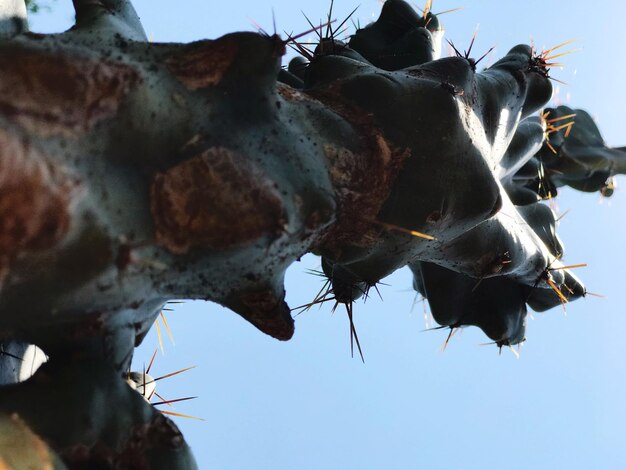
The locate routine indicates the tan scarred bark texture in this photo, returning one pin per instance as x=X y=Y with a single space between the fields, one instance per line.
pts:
x=36 y=198
x=217 y=199
x=55 y=95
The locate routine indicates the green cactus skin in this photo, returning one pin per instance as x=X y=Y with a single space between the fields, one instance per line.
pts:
x=150 y=172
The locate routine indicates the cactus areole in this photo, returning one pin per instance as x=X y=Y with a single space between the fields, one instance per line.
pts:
x=134 y=173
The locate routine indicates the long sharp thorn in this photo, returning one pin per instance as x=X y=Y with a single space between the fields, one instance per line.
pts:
x=356 y=337
x=162 y=399
x=448 y=11
x=175 y=400
x=171 y=374
x=167 y=328
x=274 y=20
x=596 y=295
x=445 y=344
x=344 y=21
x=559 y=118
x=553 y=129
x=456 y=51
x=413 y=305
x=559 y=46
x=13 y=356
x=143 y=392
x=314 y=28
x=571 y=266
x=301 y=51
x=378 y=291
x=151 y=361
x=319 y=35
x=484 y=55
x=158 y=330
x=314 y=302
x=330 y=14
x=469 y=51
x=258 y=26
x=180 y=415
x=406 y=230
x=435 y=328
x=561 y=54
x=551 y=147
x=427 y=7
x=562 y=215
x=557 y=80
x=351 y=331
x=557 y=291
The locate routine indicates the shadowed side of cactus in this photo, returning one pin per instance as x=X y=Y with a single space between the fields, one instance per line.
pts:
x=574 y=154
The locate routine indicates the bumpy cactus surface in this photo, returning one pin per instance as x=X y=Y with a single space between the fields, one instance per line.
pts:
x=134 y=173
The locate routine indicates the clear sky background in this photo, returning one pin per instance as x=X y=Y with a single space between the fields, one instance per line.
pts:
x=306 y=404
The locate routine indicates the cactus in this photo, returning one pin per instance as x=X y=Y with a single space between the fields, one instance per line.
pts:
x=132 y=174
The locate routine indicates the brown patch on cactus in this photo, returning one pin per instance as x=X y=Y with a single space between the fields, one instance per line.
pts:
x=291 y=94
x=268 y=313
x=60 y=95
x=362 y=182
x=204 y=63
x=362 y=177
x=145 y=440
x=217 y=199
x=36 y=196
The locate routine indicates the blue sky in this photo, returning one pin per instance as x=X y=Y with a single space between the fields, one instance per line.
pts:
x=306 y=404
